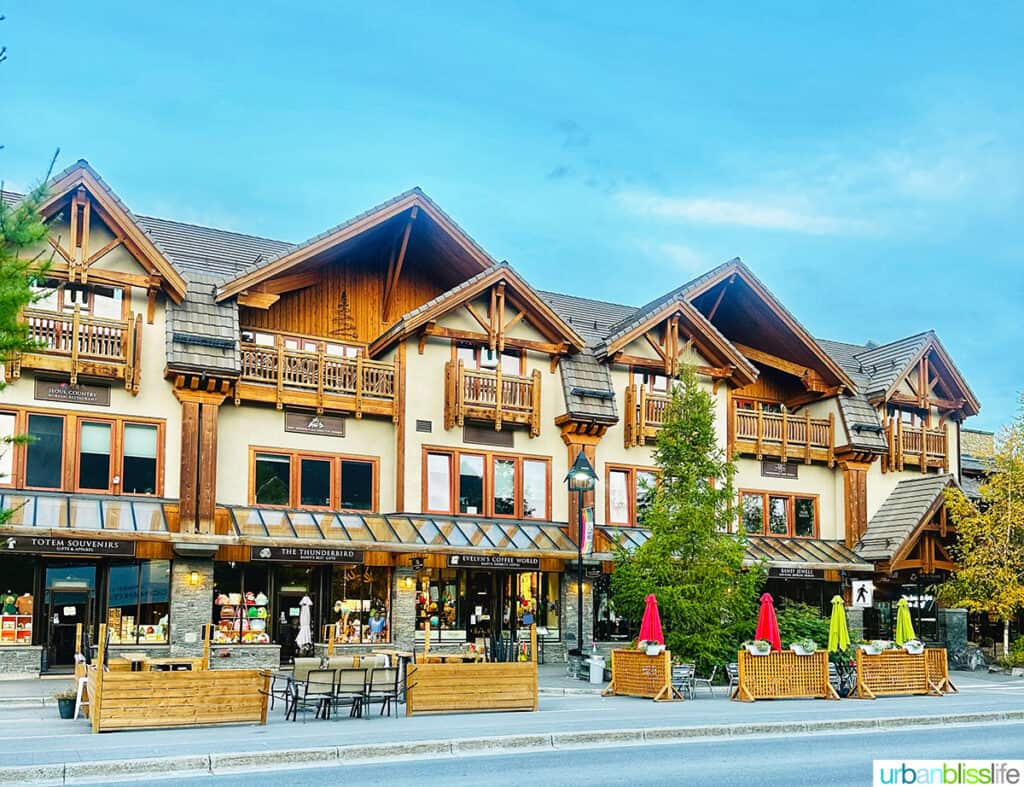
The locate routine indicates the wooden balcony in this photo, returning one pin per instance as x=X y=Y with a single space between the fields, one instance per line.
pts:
x=79 y=344
x=644 y=414
x=784 y=436
x=318 y=380
x=917 y=446
x=488 y=395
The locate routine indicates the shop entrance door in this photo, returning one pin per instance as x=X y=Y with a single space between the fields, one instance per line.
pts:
x=289 y=617
x=69 y=593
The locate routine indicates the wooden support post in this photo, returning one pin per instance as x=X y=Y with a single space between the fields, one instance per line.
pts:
x=831 y=439
x=75 y=339
x=460 y=393
x=535 y=402
x=280 y=376
x=399 y=421
x=426 y=639
x=533 y=642
x=785 y=433
x=492 y=339
x=760 y=430
x=189 y=477
x=207 y=505
x=629 y=416
x=359 y=386
x=136 y=371
x=320 y=369
x=498 y=397
x=807 y=436
x=640 y=433
x=207 y=637
x=899 y=443
x=501 y=317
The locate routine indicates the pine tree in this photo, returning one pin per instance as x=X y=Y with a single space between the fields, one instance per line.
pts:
x=344 y=326
x=692 y=562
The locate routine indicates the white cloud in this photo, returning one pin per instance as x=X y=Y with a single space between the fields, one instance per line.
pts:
x=677 y=256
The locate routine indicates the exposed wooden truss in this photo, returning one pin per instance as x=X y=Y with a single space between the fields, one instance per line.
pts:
x=395 y=266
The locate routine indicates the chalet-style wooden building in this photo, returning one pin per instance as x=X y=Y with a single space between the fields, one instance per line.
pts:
x=376 y=423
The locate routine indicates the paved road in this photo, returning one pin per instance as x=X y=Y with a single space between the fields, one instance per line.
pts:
x=836 y=760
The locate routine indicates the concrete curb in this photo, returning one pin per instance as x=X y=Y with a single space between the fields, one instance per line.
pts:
x=218 y=763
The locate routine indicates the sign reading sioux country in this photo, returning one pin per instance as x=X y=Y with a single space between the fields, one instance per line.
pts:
x=494 y=561
x=80 y=393
x=307 y=554
x=67 y=546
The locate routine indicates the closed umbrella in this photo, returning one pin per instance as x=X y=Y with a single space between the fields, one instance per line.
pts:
x=650 y=626
x=767 y=623
x=305 y=636
x=904 y=628
x=838 y=635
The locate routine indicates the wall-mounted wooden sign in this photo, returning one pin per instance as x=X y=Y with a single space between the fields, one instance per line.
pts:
x=67 y=546
x=80 y=393
x=505 y=562
x=307 y=554
x=796 y=573
x=778 y=469
x=310 y=423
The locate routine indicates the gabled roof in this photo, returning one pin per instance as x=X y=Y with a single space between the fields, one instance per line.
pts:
x=113 y=210
x=537 y=310
x=318 y=244
x=201 y=334
x=860 y=418
x=910 y=505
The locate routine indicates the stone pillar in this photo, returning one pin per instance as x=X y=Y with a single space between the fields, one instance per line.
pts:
x=954 y=623
x=191 y=605
x=568 y=607
x=855 y=623
x=403 y=608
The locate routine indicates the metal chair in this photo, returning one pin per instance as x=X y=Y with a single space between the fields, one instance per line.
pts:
x=350 y=690
x=733 y=672
x=383 y=687
x=682 y=678
x=706 y=681
x=315 y=692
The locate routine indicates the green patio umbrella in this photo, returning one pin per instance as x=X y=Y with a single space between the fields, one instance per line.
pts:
x=838 y=636
x=904 y=628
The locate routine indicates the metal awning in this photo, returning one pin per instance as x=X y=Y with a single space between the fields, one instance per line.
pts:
x=778 y=552
x=428 y=532
x=110 y=513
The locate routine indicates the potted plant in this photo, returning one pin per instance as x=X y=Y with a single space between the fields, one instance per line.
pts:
x=758 y=647
x=875 y=647
x=804 y=647
x=654 y=648
x=913 y=646
x=66 y=703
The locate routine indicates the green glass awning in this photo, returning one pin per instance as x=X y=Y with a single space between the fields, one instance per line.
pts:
x=58 y=511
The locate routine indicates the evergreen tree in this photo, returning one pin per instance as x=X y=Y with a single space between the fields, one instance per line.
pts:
x=693 y=562
x=344 y=326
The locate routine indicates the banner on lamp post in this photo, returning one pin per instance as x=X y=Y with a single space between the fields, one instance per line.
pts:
x=587 y=530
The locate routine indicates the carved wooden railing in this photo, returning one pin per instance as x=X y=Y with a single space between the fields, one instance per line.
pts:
x=486 y=395
x=368 y=384
x=785 y=436
x=645 y=413
x=915 y=445
x=80 y=344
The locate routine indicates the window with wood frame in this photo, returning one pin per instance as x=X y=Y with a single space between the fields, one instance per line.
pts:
x=654 y=382
x=627 y=493
x=486 y=484
x=778 y=514
x=99 y=300
x=752 y=404
x=78 y=452
x=297 y=479
x=476 y=357
x=308 y=344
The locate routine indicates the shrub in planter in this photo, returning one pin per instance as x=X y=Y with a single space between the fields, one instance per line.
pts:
x=758 y=647
x=804 y=647
x=65 y=703
x=913 y=646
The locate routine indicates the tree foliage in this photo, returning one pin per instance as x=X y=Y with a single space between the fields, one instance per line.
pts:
x=692 y=562
x=989 y=548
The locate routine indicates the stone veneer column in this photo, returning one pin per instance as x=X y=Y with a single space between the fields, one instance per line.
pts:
x=403 y=608
x=191 y=605
x=855 y=623
x=568 y=607
x=954 y=623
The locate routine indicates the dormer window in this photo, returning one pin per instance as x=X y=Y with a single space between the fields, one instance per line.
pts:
x=95 y=299
x=474 y=357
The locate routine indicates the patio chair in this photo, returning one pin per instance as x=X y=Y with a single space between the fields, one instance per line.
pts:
x=303 y=666
x=706 y=681
x=383 y=687
x=733 y=672
x=316 y=692
x=340 y=662
x=281 y=688
x=682 y=678
x=350 y=690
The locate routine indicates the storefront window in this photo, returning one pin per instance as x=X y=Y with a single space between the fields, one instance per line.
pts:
x=138 y=475
x=753 y=513
x=535 y=489
x=440 y=601
x=241 y=611
x=779 y=515
x=356 y=485
x=315 y=483
x=778 y=519
x=504 y=487
x=138 y=602
x=6 y=454
x=44 y=453
x=360 y=608
x=273 y=479
x=618 y=497
x=439 y=482
x=94 y=455
x=537 y=602
x=609 y=626
x=16 y=600
x=471 y=484
x=803 y=508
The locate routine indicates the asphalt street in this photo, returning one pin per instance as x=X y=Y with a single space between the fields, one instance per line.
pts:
x=833 y=760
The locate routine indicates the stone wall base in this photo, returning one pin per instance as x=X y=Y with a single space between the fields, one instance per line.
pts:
x=20 y=661
x=245 y=657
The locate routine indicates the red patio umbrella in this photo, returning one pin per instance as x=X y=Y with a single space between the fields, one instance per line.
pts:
x=650 y=626
x=767 y=624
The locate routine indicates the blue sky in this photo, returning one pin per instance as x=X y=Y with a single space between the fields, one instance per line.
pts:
x=866 y=161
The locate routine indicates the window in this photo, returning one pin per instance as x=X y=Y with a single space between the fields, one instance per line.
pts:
x=138 y=602
x=767 y=513
x=7 y=426
x=44 y=454
x=513 y=486
x=99 y=300
x=752 y=405
x=360 y=604
x=629 y=494
x=301 y=343
x=652 y=381
x=473 y=357
x=242 y=610
x=313 y=481
x=139 y=467
x=94 y=456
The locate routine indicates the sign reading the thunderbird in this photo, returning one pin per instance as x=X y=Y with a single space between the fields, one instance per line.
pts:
x=307 y=554
x=494 y=561
x=67 y=546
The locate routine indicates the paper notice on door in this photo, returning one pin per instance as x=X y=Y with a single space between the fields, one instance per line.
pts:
x=70 y=612
x=479 y=610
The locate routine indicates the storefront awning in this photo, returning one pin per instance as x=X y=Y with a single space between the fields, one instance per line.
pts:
x=45 y=510
x=778 y=552
x=426 y=532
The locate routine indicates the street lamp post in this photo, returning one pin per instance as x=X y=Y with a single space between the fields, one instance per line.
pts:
x=580 y=479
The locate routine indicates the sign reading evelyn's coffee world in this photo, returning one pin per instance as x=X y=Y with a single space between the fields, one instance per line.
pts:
x=796 y=573
x=310 y=423
x=507 y=562
x=307 y=554
x=79 y=393
x=67 y=546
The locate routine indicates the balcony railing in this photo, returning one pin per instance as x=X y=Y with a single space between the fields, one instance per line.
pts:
x=915 y=445
x=316 y=379
x=645 y=413
x=486 y=395
x=80 y=344
x=783 y=435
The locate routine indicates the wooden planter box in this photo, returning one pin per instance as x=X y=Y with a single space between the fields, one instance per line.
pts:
x=471 y=687
x=783 y=675
x=635 y=674
x=893 y=672
x=938 y=670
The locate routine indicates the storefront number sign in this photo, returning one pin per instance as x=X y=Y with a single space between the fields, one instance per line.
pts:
x=506 y=562
x=796 y=573
x=67 y=546
x=307 y=554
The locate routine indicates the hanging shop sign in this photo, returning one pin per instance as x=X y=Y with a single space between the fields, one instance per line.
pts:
x=307 y=554
x=67 y=546
x=505 y=562
x=591 y=572
x=778 y=469
x=795 y=573
x=79 y=393
x=310 y=423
